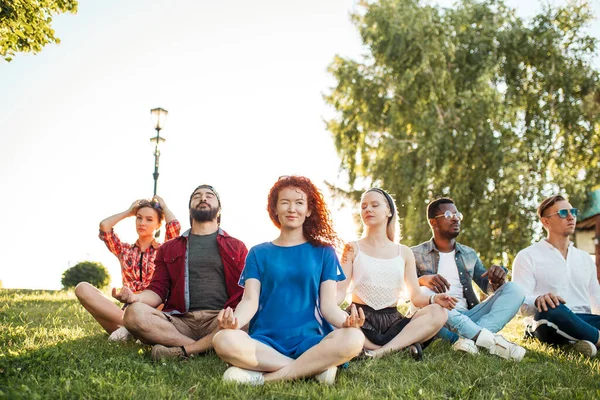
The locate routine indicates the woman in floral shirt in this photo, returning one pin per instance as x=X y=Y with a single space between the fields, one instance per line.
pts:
x=137 y=260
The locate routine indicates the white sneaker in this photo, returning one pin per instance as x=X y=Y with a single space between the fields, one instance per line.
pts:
x=466 y=345
x=586 y=348
x=498 y=345
x=327 y=377
x=121 y=334
x=244 y=376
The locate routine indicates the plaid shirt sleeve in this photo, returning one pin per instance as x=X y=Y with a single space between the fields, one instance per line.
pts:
x=173 y=229
x=112 y=241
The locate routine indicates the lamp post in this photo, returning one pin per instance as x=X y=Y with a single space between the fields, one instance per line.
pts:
x=159 y=117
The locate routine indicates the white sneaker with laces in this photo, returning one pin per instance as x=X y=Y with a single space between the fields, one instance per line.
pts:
x=121 y=334
x=327 y=377
x=498 y=345
x=243 y=376
x=466 y=345
x=586 y=348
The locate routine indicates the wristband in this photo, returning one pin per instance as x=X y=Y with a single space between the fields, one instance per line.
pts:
x=432 y=299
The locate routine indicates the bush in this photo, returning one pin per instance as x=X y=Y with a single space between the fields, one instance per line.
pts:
x=86 y=271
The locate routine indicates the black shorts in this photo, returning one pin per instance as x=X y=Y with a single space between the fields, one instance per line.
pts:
x=383 y=325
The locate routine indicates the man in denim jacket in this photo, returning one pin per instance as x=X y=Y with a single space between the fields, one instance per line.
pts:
x=445 y=266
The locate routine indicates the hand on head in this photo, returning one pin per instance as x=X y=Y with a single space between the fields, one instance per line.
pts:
x=134 y=207
x=356 y=319
x=227 y=320
x=160 y=201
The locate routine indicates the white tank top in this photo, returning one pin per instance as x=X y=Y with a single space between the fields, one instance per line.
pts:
x=378 y=282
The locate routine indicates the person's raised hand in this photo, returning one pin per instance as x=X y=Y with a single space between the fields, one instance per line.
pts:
x=226 y=319
x=124 y=295
x=446 y=301
x=160 y=201
x=356 y=319
x=548 y=300
x=134 y=207
x=496 y=276
x=436 y=282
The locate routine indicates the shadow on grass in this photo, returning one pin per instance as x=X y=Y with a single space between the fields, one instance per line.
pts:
x=51 y=348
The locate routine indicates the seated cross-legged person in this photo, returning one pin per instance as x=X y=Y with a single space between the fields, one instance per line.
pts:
x=290 y=298
x=197 y=274
x=445 y=266
x=560 y=283
x=137 y=260
x=377 y=269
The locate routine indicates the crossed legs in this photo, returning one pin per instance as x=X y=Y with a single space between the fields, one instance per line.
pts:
x=239 y=349
x=423 y=325
x=154 y=327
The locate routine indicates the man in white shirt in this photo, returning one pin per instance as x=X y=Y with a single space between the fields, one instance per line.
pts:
x=560 y=282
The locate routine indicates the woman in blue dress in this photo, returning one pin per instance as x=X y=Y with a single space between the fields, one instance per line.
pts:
x=290 y=298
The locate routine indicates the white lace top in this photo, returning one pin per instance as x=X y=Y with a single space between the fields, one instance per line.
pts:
x=378 y=282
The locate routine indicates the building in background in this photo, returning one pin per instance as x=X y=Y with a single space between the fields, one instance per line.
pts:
x=587 y=231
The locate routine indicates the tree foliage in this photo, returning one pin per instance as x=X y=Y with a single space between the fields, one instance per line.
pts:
x=25 y=25
x=471 y=102
x=86 y=271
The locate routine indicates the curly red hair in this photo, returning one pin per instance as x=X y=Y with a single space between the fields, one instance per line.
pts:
x=318 y=228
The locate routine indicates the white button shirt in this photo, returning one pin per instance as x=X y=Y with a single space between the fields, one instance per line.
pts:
x=541 y=268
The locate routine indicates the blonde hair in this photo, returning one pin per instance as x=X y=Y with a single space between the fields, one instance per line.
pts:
x=392 y=229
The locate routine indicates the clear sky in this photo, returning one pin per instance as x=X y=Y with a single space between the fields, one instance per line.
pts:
x=243 y=84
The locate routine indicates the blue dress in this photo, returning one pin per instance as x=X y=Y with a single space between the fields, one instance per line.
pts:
x=288 y=318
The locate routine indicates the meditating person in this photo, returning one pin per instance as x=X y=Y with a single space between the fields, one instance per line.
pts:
x=377 y=270
x=446 y=266
x=196 y=277
x=290 y=298
x=560 y=282
x=137 y=260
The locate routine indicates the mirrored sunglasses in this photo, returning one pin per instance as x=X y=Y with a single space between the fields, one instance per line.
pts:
x=564 y=213
x=450 y=215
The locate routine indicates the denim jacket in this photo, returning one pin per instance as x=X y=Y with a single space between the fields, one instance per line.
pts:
x=470 y=268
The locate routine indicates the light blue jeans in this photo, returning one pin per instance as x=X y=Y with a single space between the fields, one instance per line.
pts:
x=492 y=314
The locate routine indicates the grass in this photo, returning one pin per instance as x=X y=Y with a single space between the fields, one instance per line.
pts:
x=51 y=348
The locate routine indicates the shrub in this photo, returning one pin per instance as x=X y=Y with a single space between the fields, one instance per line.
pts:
x=86 y=271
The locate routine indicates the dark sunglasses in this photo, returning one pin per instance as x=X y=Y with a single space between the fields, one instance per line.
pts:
x=151 y=204
x=564 y=213
x=450 y=215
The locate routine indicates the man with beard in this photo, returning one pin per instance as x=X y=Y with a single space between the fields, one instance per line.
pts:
x=445 y=266
x=560 y=283
x=196 y=276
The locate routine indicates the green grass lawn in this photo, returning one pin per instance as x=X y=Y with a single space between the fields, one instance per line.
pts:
x=51 y=348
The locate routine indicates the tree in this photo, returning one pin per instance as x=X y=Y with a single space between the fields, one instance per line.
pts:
x=474 y=103
x=86 y=271
x=25 y=25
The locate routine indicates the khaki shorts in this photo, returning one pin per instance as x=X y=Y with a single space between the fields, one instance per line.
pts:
x=195 y=324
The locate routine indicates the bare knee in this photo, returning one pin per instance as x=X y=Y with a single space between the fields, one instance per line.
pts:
x=438 y=314
x=84 y=290
x=227 y=343
x=351 y=341
x=135 y=315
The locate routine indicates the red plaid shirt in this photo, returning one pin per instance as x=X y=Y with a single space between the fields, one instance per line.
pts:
x=137 y=267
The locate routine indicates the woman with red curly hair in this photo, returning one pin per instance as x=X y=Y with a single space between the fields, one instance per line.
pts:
x=290 y=298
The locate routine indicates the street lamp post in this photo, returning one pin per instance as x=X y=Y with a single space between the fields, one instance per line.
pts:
x=159 y=117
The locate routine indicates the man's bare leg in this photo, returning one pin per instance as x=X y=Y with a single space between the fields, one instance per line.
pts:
x=152 y=326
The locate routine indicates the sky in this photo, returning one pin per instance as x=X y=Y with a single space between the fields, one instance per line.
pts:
x=243 y=83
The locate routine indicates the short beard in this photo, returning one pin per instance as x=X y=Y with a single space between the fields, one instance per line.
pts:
x=204 y=215
x=450 y=235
